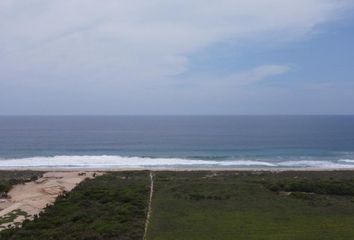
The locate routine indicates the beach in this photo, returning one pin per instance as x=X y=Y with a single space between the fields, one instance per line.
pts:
x=186 y=177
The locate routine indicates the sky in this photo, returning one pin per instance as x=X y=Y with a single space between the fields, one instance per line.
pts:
x=135 y=57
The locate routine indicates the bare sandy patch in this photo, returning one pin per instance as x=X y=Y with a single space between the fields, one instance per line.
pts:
x=29 y=199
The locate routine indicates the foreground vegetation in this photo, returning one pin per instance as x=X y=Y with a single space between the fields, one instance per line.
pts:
x=253 y=205
x=200 y=206
x=112 y=206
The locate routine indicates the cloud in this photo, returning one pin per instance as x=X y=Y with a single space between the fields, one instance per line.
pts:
x=259 y=73
x=140 y=40
x=89 y=56
x=240 y=80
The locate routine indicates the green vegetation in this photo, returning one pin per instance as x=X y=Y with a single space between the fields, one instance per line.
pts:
x=10 y=178
x=319 y=186
x=11 y=216
x=252 y=205
x=112 y=206
x=201 y=205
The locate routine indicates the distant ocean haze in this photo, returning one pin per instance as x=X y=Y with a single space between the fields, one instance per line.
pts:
x=177 y=141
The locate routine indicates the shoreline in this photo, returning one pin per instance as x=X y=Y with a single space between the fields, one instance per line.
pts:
x=170 y=169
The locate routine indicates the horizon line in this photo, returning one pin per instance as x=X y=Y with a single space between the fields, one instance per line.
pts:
x=170 y=115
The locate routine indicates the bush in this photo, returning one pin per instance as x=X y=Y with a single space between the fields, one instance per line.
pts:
x=330 y=187
x=107 y=207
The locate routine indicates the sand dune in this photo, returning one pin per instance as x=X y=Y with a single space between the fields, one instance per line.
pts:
x=27 y=200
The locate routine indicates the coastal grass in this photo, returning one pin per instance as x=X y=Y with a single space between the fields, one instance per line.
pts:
x=112 y=206
x=252 y=205
x=11 y=216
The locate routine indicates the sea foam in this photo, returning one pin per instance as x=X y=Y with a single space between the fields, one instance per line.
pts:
x=112 y=161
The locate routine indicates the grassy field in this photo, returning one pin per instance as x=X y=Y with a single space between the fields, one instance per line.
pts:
x=231 y=205
x=112 y=206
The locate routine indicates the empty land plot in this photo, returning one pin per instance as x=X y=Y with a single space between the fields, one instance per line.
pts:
x=252 y=205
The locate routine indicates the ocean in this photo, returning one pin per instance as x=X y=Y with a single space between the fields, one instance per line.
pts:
x=177 y=141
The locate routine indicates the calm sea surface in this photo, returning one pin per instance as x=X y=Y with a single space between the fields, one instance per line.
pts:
x=219 y=141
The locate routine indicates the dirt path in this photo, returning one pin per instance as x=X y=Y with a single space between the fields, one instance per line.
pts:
x=149 y=207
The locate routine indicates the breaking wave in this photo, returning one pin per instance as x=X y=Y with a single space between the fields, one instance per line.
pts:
x=107 y=161
x=347 y=160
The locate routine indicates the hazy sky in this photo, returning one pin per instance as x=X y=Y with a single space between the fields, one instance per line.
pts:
x=176 y=57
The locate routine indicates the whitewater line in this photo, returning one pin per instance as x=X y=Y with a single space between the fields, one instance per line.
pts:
x=147 y=221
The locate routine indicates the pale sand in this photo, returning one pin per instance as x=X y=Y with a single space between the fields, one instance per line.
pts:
x=33 y=197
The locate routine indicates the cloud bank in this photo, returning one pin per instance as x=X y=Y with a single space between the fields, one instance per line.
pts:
x=136 y=44
x=142 y=39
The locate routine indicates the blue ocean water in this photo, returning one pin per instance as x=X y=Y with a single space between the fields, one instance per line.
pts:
x=159 y=141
